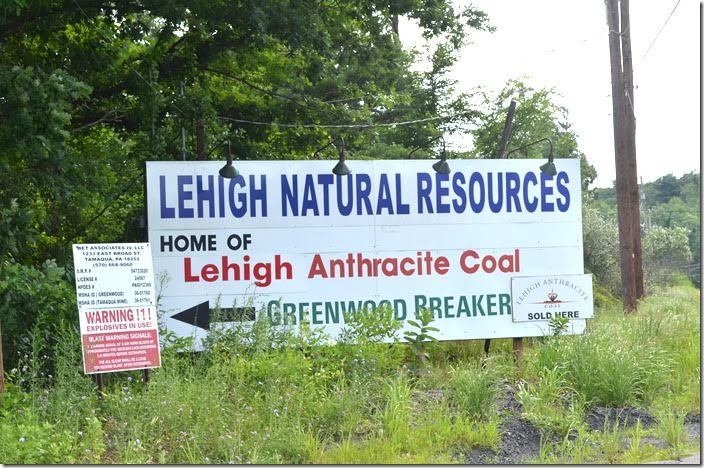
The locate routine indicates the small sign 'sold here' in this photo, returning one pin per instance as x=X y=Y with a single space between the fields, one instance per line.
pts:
x=116 y=306
x=543 y=298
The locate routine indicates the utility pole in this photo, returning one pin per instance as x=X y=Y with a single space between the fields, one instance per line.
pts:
x=200 y=140
x=183 y=131
x=630 y=117
x=506 y=134
x=624 y=145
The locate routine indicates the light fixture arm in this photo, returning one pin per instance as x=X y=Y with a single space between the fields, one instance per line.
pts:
x=219 y=144
x=343 y=154
x=329 y=143
x=550 y=156
x=427 y=144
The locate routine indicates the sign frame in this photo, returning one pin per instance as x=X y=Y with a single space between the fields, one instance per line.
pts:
x=187 y=310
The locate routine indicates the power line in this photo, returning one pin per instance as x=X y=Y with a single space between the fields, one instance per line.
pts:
x=658 y=34
x=378 y=125
x=295 y=100
x=278 y=95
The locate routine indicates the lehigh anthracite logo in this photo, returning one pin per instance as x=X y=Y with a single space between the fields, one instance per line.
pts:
x=552 y=299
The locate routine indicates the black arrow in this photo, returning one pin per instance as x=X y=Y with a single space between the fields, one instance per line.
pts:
x=199 y=315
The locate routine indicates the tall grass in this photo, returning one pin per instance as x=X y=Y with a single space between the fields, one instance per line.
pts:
x=267 y=396
x=473 y=391
x=615 y=363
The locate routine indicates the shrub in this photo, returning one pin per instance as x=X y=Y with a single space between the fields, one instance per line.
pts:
x=601 y=249
x=665 y=254
x=32 y=296
x=25 y=439
x=370 y=326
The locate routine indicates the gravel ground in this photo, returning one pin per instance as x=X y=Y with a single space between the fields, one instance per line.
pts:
x=520 y=440
x=625 y=417
x=695 y=459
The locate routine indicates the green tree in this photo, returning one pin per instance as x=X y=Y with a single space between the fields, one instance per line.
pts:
x=98 y=89
x=675 y=213
x=667 y=202
x=89 y=91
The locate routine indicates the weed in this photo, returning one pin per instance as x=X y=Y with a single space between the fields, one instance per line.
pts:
x=611 y=442
x=558 y=325
x=634 y=453
x=397 y=411
x=418 y=338
x=671 y=429
x=551 y=404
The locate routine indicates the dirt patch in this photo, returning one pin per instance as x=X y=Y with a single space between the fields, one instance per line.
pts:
x=506 y=401
x=693 y=426
x=520 y=441
x=425 y=397
x=656 y=442
x=480 y=456
x=601 y=416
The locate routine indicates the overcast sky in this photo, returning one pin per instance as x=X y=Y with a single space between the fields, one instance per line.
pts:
x=564 y=45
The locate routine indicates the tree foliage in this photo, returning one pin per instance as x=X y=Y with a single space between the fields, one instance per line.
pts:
x=601 y=249
x=665 y=251
x=537 y=116
x=668 y=202
x=95 y=90
x=91 y=90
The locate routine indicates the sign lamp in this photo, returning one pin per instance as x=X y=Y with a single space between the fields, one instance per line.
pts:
x=341 y=168
x=228 y=171
x=547 y=168
x=441 y=167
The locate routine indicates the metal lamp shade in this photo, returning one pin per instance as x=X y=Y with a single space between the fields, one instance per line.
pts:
x=228 y=171
x=341 y=168
x=442 y=167
x=548 y=168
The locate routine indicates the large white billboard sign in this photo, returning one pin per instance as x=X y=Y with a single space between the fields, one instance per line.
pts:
x=298 y=242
